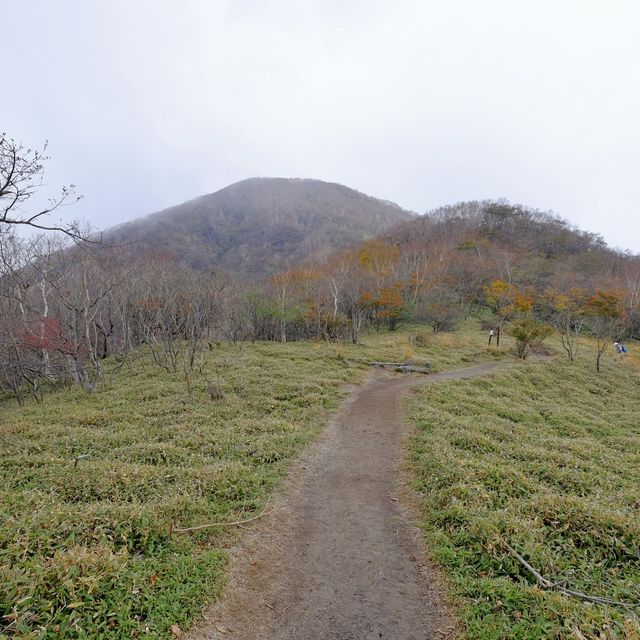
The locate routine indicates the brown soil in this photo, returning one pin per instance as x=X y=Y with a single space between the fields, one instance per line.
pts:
x=340 y=559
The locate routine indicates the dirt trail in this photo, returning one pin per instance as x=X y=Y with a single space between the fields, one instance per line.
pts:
x=340 y=560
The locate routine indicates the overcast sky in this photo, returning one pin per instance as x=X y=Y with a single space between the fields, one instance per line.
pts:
x=148 y=103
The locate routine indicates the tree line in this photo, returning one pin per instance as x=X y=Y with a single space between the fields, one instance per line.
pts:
x=68 y=300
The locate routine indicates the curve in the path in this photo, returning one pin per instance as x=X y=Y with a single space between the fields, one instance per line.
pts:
x=340 y=560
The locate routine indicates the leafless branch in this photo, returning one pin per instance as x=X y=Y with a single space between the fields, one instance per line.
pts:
x=225 y=524
x=544 y=583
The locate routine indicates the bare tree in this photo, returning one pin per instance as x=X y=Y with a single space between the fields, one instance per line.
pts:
x=21 y=176
x=604 y=319
x=568 y=315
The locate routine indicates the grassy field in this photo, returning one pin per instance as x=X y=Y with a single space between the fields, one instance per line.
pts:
x=85 y=550
x=544 y=457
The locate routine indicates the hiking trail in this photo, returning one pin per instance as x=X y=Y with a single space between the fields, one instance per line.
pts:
x=340 y=560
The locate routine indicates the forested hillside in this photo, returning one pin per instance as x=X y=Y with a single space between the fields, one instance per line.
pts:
x=258 y=225
x=490 y=257
x=67 y=305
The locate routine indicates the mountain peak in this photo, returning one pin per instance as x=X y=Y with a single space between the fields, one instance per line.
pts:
x=260 y=224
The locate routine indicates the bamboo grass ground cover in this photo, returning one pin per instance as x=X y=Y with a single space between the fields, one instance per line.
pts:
x=546 y=458
x=91 y=483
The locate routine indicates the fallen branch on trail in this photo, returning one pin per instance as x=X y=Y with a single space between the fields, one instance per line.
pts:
x=559 y=586
x=404 y=367
x=199 y=527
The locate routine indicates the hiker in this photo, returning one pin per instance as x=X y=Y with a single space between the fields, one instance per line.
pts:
x=620 y=348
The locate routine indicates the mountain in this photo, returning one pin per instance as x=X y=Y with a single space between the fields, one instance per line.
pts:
x=504 y=225
x=481 y=240
x=256 y=226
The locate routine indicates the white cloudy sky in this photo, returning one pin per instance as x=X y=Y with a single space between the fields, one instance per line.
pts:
x=148 y=103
